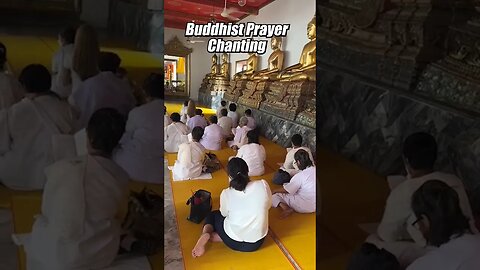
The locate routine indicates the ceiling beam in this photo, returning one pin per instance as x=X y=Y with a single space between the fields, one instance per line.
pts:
x=190 y=17
x=221 y=4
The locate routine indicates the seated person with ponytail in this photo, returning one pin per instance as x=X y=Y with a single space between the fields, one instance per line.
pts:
x=299 y=194
x=440 y=218
x=242 y=221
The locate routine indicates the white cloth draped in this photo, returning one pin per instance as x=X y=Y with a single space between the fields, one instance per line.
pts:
x=235 y=117
x=26 y=140
x=104 y=90
x=77 y=228
x=227 y=124
x=189 y=161
x=140 y=152
x=175 y=134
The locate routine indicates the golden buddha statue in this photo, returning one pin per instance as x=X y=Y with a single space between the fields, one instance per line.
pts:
x=215 y=69
x=225 y=67
x=275 y=62
x=252 y=65
x=305 y=69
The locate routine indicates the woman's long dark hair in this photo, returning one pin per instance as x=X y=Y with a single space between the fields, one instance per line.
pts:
x=441 y=205
x=238 y=171
x=303 y=159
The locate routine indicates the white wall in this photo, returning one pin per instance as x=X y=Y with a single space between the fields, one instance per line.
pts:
x=296 y=13
x=200 y=60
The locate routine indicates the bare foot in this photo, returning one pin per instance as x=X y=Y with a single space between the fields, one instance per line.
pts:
x=199 y=248
x=286 y=213
x=215 y=237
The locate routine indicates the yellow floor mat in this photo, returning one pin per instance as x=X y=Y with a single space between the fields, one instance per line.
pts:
x=217 y=255
x=297 y=233
x=26 y=204
x=364 y=196
x=177 y=107
x=25 y=50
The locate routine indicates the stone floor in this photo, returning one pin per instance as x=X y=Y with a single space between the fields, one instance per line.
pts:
x=173 y=254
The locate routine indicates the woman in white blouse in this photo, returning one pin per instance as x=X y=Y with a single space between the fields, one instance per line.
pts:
x=254 y=154
x=242 y=221
x=439 y=217
x=299 y=195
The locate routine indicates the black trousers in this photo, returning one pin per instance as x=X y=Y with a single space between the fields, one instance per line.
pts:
x=216 y=219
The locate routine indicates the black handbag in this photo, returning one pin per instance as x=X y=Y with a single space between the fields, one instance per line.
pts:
x=200 y=205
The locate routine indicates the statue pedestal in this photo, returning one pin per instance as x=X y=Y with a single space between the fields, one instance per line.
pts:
x=236 y=90
x=287 y=99
x=212 y=90
x=254 y=94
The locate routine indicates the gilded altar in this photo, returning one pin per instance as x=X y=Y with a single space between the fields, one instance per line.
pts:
x=235 y=90
x=286 y=92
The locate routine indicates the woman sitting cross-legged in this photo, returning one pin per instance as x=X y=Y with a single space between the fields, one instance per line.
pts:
x=299 y=194
x=240 y=134
x=242 y=221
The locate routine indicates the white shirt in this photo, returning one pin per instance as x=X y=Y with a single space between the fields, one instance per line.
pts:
x=197 y=121
x=166 y=120
x=219 y=111
x=62 y=59
x=235 y=117
x=227 y=124
x=398 y=215
x=141 y=147
x=290 y=165
x=251 y=122
x=175 y=134
x=240 y=136
x=104 y=90
x=212 y=137
x=254 y=155
x=246 y=212
x=462 y=253
x=183 y=114
x=302 y=188
x=26 y=140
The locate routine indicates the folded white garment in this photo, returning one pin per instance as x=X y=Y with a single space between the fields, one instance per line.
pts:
x=205 y=176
